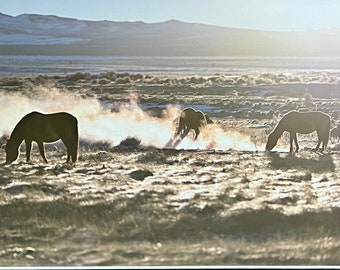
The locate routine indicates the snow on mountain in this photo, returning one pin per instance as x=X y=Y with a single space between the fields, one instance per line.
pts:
x=38 y=29
x=32 y=29
x=49 y=34
x=36 y=24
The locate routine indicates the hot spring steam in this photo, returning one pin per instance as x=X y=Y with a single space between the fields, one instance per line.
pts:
x=97 y=123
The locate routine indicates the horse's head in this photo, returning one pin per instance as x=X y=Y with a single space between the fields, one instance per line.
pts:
x=272 y=140
x=12 y=152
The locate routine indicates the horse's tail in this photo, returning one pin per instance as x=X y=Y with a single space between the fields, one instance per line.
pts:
x=209 y=121
x=327 y=133
x=75 y=137
x=180 y=126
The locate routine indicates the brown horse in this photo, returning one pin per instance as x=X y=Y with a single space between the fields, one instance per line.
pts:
x=42 y=128
x=304 y=123
x=191 y=119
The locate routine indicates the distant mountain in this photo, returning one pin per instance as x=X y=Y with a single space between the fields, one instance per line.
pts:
x=29 y=34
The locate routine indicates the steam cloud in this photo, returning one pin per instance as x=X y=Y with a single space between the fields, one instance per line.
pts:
x=97 y=123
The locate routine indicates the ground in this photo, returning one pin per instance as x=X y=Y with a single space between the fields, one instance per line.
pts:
x=221 y=200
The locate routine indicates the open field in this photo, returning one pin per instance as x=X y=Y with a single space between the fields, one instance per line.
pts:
x=220 y=200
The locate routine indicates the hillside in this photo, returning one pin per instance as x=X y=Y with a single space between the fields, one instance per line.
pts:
x=29 y=34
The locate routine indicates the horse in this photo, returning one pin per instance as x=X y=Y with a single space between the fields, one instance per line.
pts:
x=304 y=123
x=191 y=119
x=41 y=128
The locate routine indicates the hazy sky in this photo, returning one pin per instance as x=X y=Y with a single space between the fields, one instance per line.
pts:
x=281 y=15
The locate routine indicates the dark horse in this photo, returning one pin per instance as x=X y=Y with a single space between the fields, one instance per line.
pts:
x=304 y=123
x=191 y=119
x=42 y=128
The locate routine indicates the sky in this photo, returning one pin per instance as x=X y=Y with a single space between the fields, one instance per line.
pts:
x=273 y=15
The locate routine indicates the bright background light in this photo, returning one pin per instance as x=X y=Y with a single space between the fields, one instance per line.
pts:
x=277 y=15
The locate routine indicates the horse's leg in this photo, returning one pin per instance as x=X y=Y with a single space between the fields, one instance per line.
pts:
x=74 y=145
x=28 y=150
x=179 y=132
x=296 y=143
x=185 y=133
x=75 y=149
x=197 y=132
x=180 y=128
x=71 y=150
x=74 y=158
x=319 y=142
x=291 y=139
x=71 y=153
x=317 y=146
x=324 y=141
x=42 y=150
x=67 y=145
x=324 y=144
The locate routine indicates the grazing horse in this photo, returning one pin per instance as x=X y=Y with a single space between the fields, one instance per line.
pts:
x=304 y=123
x=42 y=128
x=191 y=119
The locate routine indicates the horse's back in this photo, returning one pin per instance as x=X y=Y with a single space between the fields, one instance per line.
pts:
x=61 y=119
x=306 y=122
x=63 y=123
x=321 y=120
x=29 y=123
x=193 y=116
x=320 y=116
x=49 y=127
x=188 y=113
x=303 y=117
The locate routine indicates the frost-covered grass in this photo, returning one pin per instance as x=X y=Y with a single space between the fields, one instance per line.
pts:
x=198 y=207
x=128 y=202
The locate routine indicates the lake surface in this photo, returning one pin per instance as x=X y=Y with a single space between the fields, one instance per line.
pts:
x=164 y=65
